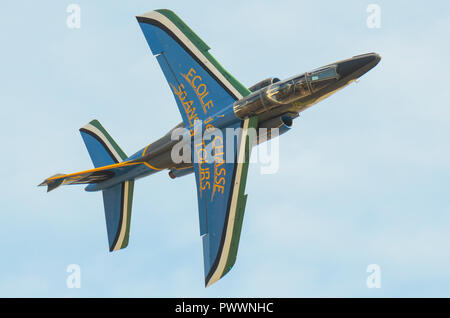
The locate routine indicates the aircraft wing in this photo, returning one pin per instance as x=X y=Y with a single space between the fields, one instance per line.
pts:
x=201 y=86
x=221 y=197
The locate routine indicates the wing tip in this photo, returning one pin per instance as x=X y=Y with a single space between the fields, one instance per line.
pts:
x=152 y=12
x=209 y=282
x=93 y=122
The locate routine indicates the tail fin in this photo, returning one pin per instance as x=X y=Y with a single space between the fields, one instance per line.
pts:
x=107 y=158
x=104 y=153
x=102 y=148
x=118 y=201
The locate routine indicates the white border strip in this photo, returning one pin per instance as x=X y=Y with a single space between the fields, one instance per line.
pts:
x=123 y=228
x=98 y=133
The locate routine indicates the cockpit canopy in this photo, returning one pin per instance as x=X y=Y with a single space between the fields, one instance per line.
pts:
x=322 y=77
x=300 y=86
x=285 y=92
x=288 y=90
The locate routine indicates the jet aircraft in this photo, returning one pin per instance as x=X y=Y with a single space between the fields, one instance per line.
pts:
x=206 y=96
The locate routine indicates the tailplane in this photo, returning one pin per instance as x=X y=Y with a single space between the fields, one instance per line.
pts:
x=102 y=148
x=105 y=153
x=117 y=201
x=109 y=160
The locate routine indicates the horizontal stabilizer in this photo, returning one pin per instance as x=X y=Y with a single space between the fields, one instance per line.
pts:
x=100 y=145
x=118 y=201
x=106 y=155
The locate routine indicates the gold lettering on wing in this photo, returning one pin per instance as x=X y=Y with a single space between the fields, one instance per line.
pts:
x=188 y=107
x=203 y=169
x=219 y=168
x=200 y=89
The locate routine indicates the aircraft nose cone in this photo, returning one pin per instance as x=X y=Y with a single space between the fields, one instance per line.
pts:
x=358 y=65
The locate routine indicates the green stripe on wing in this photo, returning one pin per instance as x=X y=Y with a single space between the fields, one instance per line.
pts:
x=204 y=48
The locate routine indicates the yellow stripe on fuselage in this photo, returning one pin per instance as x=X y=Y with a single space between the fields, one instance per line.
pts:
x=116 y=165
x=150 y=166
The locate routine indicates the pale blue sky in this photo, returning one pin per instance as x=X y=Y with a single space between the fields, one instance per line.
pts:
x=364 y=175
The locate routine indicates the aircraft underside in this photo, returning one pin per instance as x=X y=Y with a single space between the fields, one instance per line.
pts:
x=209 y=100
